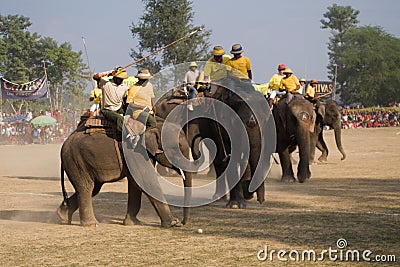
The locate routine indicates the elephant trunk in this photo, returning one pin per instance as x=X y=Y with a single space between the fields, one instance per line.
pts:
x=303 y=141
x=338 y=138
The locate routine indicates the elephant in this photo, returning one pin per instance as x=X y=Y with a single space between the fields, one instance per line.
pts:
x=241 y=96
x=90 y=160
x=328 y=115
x=294 y=122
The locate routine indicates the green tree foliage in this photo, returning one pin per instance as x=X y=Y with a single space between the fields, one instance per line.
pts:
x=163 y=22
x=368 y=66
x=21 y=60
x=338 y=19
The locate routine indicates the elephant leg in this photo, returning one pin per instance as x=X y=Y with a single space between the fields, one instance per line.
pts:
x=187 y=197
x=286 y=165
x=313 y=144
x=85 y=202
x=220 y=189
x=67 y=209
x=164 y=212
x=134 y=203
x=321 y=145
x=236 y=197
x=245 y=184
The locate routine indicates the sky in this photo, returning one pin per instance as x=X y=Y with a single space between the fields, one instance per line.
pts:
x=271 y=32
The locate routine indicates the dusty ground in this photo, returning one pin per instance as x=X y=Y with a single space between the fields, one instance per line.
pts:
x=357 y=199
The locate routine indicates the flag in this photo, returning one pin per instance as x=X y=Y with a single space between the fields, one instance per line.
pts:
x=35 y=89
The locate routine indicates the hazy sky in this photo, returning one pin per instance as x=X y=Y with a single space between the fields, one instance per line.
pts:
x=271 y=32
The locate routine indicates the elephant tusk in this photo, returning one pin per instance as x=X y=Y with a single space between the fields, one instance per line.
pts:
x=183 y=174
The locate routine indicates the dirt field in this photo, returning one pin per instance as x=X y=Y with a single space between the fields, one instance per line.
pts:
x=357 y=200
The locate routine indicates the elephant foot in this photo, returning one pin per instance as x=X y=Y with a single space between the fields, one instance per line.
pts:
x=288 y=179
x=62 y=213
x=174 y=222
x=322 y=158
x=260 y=199
x=128 y=221
x=90 y=223
x=248 y=195
x=185 y=221
x=232 y=204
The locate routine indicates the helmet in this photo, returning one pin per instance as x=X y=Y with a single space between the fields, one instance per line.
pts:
x=314 y=82
x=288 y=70
x=281 y=67
x=192 y=64
x=302 y=80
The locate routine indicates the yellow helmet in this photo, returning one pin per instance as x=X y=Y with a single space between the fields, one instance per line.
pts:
x=288 y=70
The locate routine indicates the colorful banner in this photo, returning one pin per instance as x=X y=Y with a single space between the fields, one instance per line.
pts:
x=35 y=89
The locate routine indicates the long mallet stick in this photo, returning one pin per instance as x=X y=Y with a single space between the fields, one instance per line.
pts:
x=165 y=46
x=87 y=59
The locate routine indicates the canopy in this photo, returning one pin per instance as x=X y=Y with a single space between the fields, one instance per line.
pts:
x=43 y=121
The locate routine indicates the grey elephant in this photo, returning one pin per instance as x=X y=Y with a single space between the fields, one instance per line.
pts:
x=328 y=114
x=294 y=123
x=90 y=160
x=200 y=128
x=251 y=107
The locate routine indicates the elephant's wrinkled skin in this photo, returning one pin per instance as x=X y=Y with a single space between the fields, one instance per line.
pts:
x=91 y=160
x=293 y=126
x=328 y=115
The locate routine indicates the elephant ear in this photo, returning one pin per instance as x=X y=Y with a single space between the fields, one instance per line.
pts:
x=153 y=140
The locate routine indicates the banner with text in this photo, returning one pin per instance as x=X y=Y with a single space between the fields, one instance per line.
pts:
x=35 y=89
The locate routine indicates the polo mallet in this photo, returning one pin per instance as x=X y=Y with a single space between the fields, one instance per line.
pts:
x=164 y=47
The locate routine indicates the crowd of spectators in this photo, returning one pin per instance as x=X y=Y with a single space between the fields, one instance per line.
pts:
x=16 y=128
x=361 y=117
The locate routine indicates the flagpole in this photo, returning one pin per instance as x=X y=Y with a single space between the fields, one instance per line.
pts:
x=47 y=84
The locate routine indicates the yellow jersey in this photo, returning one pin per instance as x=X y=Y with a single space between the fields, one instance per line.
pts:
x=290 y=83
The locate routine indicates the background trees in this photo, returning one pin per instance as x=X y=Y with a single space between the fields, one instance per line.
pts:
x=21 y=60
x=366 y=58
x=163 y=22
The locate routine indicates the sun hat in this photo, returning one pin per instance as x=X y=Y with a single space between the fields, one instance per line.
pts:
x=121 y=73
x=144 y=74
x=281 y=67
x=288 y=70
x=218 y=51
x=192 y=64
x=314 y=82
x=237 y=49
x=302 y=80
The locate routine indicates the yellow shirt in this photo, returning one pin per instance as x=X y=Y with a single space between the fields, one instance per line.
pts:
x=96 y=95
x=242 y=64
x=290 y=83
x=310 y=91
x=275 y=81
x=215 y=70
x=141 y=95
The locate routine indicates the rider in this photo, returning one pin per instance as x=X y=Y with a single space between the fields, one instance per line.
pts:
x=302 y=85
x=274 y=83
x=141 y=99
x=310 y=92
x=113 y=92
x=289 y=83
x=95 y=97
x=190 y=80
x=240 y=63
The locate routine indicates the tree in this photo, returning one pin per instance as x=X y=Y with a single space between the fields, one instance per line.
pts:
x=339 y=19
x=22 y=55
x=163 y=22
x=368 y=64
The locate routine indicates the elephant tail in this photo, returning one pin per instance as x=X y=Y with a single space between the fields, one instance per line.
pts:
x=64 y=191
